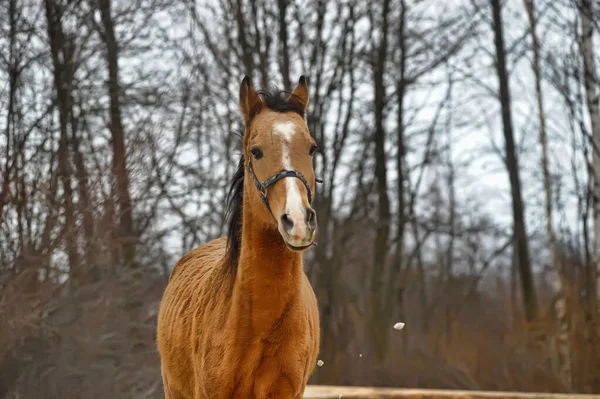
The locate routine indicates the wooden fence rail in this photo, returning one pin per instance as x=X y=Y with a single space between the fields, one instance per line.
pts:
x=336 y=392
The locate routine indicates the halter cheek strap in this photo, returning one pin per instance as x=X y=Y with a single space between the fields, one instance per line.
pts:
x=264 y=186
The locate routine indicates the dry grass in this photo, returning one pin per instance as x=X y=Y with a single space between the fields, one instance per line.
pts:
x=98 y=341
x=472 y=341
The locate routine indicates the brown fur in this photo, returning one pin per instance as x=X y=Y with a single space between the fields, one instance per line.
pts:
x=249 y=331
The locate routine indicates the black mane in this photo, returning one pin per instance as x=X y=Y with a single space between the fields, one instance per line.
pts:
x=281 y=101
x=276 y=100
x=235 y=203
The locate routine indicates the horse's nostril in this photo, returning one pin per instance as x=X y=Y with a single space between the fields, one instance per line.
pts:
x=287 y=223
x=311 y=218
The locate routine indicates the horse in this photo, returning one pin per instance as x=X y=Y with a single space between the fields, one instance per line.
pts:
x=238 y=317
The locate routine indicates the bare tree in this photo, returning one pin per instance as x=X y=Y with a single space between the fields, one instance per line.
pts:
x=384 y=216
x=127 y=237
x=590 y=81
x=284 y=58
x=561 y=302
x=62 y=49
x=511 y=161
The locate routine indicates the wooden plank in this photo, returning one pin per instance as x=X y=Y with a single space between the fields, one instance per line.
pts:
x=336 y=392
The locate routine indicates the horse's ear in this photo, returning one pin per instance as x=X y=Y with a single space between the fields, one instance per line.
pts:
x=300 y=93
x=250 y=102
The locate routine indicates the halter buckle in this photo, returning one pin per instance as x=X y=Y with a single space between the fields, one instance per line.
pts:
x=263 y=191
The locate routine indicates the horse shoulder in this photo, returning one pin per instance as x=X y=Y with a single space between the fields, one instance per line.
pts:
x=182 y=318
x=200 y=258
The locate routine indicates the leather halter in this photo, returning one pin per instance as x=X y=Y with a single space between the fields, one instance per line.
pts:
x=264 y=186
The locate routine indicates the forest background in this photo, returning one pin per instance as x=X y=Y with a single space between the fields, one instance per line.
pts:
x=459 y=148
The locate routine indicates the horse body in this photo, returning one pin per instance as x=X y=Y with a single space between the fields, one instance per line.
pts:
x=244 y=325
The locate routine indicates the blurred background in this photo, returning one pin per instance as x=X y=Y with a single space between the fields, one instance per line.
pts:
x=459 y=148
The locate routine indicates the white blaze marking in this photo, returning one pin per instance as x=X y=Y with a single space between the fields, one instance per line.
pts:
x=285 y=129
x=294 y=206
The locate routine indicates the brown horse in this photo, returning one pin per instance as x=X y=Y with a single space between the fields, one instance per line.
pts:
x=239 y=318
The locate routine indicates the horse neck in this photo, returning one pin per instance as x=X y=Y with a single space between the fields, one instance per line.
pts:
x=267 y=269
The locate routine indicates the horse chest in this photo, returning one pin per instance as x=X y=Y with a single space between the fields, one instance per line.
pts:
x=275 y=365
x=276 y=369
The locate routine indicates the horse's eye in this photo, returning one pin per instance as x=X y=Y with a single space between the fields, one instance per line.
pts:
x=256 y=153
x=313 y=149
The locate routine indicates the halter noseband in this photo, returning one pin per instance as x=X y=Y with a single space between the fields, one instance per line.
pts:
x=264 y=186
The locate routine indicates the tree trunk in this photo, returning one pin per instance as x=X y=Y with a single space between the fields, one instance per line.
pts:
x=449 y=269
x=380 y=333
x=591 y=81
x=127 y=236
x=401 y=93
x=564 y=350
x=85 y=207
x=284 y=60
x=13 y=81
x=243 y=40
x=525 y=272
x=394 y=297
x=62 y=58
x=263 y=54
